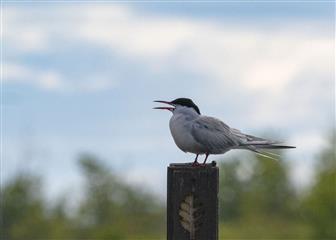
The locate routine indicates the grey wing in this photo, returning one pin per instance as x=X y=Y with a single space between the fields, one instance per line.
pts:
x=246 y=139
x=213 y=134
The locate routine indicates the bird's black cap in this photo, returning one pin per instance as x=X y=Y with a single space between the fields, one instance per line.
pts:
x=187 y=103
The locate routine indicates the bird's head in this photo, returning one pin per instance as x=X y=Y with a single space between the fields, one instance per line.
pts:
x=179 y=102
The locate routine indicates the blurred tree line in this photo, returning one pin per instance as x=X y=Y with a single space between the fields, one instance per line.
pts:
x=109 y=209
x=257 y=201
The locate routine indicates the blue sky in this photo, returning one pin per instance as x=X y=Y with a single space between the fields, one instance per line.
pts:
x=82 y=78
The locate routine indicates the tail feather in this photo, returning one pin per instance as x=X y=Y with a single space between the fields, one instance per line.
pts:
x=256 y=144
x=259 y=145
x=267 y=145
x=271 y=146
x=266 y=154
x=270 y=153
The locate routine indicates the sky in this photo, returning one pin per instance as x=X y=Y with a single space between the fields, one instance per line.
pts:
x=81 y=77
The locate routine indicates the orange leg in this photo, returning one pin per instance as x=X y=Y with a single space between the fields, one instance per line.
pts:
x=195 y=163
x=206 y=158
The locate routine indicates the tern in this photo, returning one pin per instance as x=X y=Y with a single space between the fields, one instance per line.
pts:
x=199 y=134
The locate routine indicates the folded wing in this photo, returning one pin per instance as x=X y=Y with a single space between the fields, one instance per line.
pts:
x=213 y=134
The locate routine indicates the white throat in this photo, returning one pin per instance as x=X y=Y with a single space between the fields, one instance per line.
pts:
x=190 y=112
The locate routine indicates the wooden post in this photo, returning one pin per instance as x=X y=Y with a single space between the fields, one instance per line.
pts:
x=192 y=202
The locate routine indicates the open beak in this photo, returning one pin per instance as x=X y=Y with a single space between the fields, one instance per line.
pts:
x=165 y=108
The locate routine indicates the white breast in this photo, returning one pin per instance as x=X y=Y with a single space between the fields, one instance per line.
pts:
x=180 y=127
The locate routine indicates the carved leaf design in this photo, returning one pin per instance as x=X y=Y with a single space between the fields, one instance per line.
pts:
x=191 y=215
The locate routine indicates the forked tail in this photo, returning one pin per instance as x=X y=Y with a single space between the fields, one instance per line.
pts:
x=257 y=145
x=259 y=150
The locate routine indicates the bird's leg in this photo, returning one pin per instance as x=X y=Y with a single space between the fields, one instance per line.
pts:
x=206 y=157
x=195 y=163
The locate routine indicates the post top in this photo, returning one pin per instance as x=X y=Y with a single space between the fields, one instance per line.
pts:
x=213 y=164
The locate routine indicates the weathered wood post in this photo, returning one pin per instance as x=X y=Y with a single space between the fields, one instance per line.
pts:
x=192 y=202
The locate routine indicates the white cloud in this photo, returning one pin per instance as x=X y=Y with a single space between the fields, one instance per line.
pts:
x=273 y=69
x=98 y=83
x=22 y=35
x=52 y=80
x=46 y=79
x=253 y=59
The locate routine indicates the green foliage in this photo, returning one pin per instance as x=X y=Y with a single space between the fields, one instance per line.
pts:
x=114 y=210
x=320 y=204
x=262 y=188
x=268 y=189
x=22 y=209
x=230 y=192
x=262 y=204
x=256 y=200
x=110 y=209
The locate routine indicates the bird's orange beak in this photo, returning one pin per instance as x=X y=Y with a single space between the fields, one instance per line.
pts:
x=165 y=108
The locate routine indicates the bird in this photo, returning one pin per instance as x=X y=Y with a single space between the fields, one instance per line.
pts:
x=204 y=135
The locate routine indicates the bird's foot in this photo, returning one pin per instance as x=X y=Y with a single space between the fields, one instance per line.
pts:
x=196 y=164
